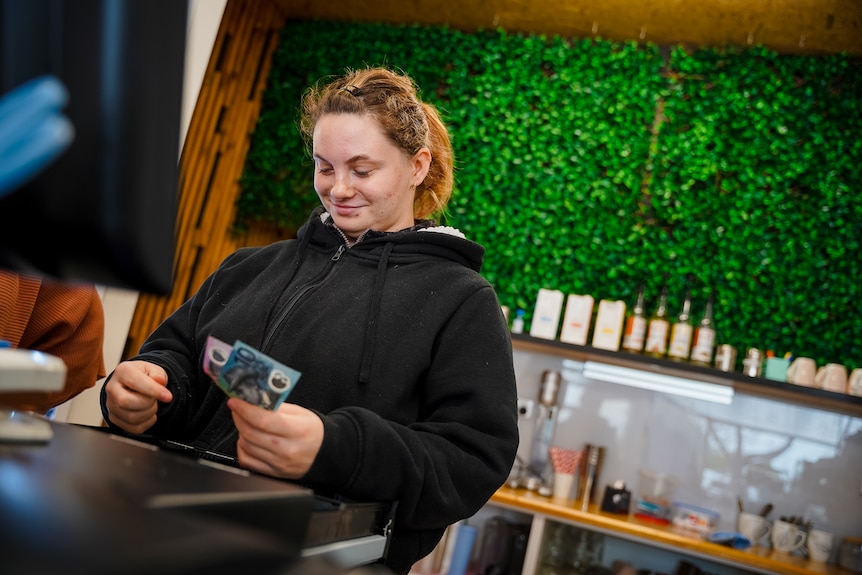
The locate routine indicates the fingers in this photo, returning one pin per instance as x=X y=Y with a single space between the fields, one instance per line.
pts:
x=132 y=394
x=145 y=379
x=283 y=443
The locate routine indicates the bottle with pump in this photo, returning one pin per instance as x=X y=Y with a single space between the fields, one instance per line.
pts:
x=681 y=333
x=658 y=329
x=636 y=325
x=703 y=345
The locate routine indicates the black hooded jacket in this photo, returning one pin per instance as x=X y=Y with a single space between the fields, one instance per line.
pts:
x=404 y=353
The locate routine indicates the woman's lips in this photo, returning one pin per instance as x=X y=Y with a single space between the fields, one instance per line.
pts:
x=343 y=210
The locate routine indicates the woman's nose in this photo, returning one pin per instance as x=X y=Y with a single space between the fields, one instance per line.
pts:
x=340 y=187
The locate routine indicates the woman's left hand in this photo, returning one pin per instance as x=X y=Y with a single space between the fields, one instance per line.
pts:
x=281 y=443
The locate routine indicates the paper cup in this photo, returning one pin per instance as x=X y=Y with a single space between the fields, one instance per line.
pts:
x=563 y=483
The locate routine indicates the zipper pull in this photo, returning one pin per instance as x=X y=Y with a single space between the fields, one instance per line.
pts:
x=338 y=252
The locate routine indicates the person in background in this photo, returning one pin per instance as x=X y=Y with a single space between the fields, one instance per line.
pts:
x=59 y=318
x=407 y=391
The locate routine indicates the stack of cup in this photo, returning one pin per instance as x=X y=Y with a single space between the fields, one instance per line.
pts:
x=565 y=463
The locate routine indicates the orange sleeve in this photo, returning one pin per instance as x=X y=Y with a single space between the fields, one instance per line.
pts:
x=67 y=320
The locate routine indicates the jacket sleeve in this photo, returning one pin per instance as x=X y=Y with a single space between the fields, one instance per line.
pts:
x=175 y=345
x=445 y=466
x=65 y=320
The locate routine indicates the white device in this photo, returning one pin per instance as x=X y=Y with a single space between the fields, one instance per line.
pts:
x=30 y=370
x=24 y=370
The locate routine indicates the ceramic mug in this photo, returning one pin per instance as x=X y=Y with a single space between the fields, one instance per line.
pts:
x=787 y=537
x=752 y=526
x=802 y=371
x=832 y=377
x=819 y=545
x=854 y=382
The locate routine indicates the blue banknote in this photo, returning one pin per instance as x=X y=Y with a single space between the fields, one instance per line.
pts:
x=250 y=374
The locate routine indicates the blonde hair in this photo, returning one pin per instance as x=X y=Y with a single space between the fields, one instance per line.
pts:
x=392 y=100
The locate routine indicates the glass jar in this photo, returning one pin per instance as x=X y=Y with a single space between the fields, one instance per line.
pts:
x=850 y=554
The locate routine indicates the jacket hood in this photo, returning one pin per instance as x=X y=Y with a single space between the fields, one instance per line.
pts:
x=424 y=239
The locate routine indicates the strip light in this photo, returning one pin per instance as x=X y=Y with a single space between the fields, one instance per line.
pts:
x=658 y=382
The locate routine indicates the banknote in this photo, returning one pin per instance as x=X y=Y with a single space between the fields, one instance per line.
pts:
x=216 y=355
x=255 y=377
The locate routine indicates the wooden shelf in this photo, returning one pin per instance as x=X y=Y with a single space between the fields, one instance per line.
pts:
x=758 y=386
x=761 y=559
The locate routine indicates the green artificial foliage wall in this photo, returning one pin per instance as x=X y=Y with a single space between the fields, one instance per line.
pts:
x=594 y=167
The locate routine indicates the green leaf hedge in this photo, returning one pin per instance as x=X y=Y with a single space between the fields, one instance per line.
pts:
x=594 y=167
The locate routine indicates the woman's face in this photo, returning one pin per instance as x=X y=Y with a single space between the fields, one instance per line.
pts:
x=363 y=179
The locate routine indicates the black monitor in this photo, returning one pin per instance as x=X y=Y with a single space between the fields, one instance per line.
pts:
x=105 y=210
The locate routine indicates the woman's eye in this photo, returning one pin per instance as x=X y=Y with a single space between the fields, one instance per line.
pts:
x=363 y=174
x=324 y=171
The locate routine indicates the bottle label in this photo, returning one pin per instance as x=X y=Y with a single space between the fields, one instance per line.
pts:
x=704 y=341
x=635 y=332
x=657 y=337
x=680 y=341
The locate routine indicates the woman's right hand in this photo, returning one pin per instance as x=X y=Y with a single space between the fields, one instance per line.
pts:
x=132 y=394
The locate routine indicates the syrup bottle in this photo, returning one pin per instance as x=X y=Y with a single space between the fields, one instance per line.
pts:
x=703 y=344
x=681 y=333
x=636 y=325
x=658 y=328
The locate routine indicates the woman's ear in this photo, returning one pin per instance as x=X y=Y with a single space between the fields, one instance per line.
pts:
x=421 y=165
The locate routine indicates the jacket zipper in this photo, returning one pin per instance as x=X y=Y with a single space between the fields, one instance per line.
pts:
x=299 y=295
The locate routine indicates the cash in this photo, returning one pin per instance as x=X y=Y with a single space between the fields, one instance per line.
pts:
x=242 y=371
x=215 y=356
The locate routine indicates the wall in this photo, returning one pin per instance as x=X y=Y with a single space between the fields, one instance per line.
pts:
x=807 y=462
x=790 y=26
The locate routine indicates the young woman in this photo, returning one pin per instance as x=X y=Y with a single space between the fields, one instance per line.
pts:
x=407 y=390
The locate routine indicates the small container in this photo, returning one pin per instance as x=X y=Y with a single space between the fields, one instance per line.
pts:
x=725 y=357
x=518 y=322
x=753 y=362
x=655 y=495
x=694 y=518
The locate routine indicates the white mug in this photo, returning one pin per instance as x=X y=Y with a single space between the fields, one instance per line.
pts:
x=854 y=382
x=802 y=371
x=832 y=377
x=819 y=545
x=752 y=526
x=787 y=537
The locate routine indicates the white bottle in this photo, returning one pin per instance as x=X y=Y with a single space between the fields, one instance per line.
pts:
x=609 y=324
x=518 y=322
x=546 y=317
x=576 y=321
